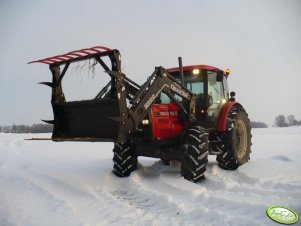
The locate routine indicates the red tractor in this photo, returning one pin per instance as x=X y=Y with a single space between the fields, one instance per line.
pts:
x=182 y=114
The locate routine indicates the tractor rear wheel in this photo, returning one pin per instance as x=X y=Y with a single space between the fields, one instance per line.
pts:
x=235 y=143
x=195 y=158
x=125 y=159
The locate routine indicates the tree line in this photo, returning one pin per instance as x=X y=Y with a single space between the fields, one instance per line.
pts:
x=35 y=128
x=258 y=125
x=282 y=121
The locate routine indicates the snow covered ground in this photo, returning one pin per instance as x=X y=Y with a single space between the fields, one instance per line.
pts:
x=68 y=184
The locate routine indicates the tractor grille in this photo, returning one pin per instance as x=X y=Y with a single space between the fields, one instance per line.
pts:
x=163 y=121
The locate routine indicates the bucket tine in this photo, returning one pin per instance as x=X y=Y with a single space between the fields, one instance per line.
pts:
x=48 y=121
x=50 y=84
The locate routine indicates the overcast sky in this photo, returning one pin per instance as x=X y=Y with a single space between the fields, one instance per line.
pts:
x=259 y=40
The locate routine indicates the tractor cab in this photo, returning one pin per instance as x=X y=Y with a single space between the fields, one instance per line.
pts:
x=210 y=86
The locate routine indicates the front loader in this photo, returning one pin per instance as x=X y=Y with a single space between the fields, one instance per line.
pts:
x=181 y=114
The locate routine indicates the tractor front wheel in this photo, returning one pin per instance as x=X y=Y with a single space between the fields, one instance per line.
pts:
x=235 y=142
x=125 y=159
x=195 y=158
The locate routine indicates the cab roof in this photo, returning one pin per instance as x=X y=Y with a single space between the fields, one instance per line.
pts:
x=191 y=67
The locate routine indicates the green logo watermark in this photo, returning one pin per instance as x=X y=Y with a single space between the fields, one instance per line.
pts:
x=282 y=215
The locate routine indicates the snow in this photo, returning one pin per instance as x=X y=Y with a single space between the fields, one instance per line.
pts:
x=70 y=184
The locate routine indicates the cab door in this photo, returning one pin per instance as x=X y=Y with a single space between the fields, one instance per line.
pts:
x=217 y=91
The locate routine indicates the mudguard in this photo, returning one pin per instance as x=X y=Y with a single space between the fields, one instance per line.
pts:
x=223 y=115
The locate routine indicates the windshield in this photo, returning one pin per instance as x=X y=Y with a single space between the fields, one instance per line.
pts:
x=193 y=82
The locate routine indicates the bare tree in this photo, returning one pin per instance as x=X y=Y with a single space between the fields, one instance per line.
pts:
x=291 y=120
x=280 y=121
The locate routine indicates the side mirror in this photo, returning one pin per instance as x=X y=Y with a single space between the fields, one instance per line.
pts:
x=232 y=95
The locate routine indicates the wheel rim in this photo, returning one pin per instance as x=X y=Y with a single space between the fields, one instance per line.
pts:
x=241 y=139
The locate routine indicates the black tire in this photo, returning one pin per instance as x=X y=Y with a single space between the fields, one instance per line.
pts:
x=195 y=158
x=165 y=162
x=125 y=159
x=235 y=143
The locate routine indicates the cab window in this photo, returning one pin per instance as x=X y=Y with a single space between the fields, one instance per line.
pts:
x=216 y=91
x=195 y=83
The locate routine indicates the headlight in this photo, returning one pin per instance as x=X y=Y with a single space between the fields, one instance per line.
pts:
x=195 y=71
x=145 y=122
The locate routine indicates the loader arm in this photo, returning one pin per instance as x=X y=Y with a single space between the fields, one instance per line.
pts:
x=108 y=117
x=160 y=81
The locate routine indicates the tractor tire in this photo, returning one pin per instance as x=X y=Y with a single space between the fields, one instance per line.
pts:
x=195 y=158
x=235 y=142
x=165 y=162
x=125 y=159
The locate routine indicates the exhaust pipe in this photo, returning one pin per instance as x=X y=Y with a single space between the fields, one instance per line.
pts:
x=181 y=70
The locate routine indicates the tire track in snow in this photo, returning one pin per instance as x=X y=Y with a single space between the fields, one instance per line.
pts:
x=237 y=184
x=17 y=156
x=28 y=202
x=188 y=213
x=5 y=147
x=82 y=198
x=139 y=203
x=5 y=211
x=63 y=196
x=87 y=201
x=68 y=200
x=20 y=186
x=184 y=197
x=119 y=194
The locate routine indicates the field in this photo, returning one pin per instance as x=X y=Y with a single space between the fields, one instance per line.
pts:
x=71 y=184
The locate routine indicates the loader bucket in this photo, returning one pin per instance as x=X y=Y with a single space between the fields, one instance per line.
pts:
x=90 y=120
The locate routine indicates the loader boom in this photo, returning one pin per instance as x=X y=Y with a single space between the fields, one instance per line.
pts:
x=107 y=116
